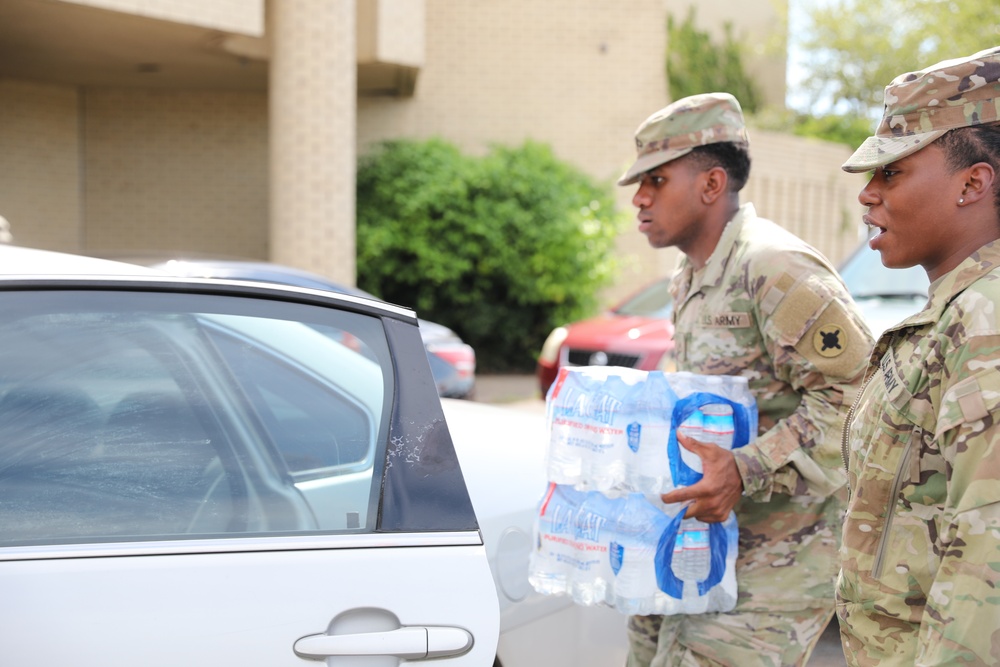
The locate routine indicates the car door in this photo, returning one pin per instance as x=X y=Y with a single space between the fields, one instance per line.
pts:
x=206 y=474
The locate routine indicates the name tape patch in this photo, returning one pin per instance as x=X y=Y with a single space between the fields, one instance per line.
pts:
x=727 y=320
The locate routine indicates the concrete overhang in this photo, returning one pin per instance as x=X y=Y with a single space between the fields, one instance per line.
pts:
x=74 y=44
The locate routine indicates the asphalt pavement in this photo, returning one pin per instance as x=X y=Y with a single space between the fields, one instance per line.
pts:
x=518 y=390
x=521 y=392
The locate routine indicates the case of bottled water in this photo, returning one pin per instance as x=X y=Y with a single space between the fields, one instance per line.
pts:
x=573 y=531
x=587 y=421
x=615 y=429
x=602 y=535
x=632 y=553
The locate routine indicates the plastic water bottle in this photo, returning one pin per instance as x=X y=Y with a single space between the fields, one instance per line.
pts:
x=694 y=428
x=717 y=424
x=593 y=532
x=554 y=552
x=735 y=395
x=604 y=416
x=569 y=442
x=585 y=413
x=647 y=435
x=692 y=556
x=637 y=534
x=701 y=574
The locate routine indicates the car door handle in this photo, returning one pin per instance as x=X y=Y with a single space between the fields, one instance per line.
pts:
x=411 y=643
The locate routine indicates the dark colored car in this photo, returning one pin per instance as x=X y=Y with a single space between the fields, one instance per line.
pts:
x=636 y=333
x=453 y=362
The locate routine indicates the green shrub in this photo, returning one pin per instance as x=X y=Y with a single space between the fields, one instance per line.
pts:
x=501 y=248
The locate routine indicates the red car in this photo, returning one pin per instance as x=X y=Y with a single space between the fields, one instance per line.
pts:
x=637 y=333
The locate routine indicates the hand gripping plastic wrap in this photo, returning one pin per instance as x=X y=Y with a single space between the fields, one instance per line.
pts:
x=602 y=535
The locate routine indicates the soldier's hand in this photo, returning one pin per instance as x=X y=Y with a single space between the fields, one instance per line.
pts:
x=714 y=496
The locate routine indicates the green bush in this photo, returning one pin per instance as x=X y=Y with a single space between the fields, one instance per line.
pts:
x=501 y=248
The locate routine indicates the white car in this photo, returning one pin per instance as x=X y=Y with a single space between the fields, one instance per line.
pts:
x=196 y=472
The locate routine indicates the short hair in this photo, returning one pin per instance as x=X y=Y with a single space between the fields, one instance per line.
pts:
x=965 y=146
x=731 y=156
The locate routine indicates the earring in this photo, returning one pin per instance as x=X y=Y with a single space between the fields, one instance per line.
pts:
x=961 y=200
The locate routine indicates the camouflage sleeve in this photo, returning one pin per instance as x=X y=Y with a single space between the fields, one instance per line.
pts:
x=960 y=621
x=819 y=347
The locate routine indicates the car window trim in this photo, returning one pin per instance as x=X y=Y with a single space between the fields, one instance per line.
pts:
x=209 y=286
x=241 y=544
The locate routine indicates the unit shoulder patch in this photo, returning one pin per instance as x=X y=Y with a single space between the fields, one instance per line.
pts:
x=830 y=340
x=835 y=343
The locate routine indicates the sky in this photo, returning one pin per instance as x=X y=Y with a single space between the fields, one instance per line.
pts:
x=794 y=71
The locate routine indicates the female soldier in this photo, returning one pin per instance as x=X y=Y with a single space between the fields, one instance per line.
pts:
x=920 y=561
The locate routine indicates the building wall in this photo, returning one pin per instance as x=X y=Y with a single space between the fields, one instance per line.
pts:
x=125 y=170
x=175 y=171
x=312 y=108
x=109 y=170
x=39 y=166
x=238 y=16
x=798 y=183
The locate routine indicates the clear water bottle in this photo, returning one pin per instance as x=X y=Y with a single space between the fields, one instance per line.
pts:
x=593 y=532
x=569 y=440
x=701 y=576
x=637 y=535
x=717 y=424
x=692 y=555
x=605 y=416
x=551 y=566
x=694 y=428
x=648 y=433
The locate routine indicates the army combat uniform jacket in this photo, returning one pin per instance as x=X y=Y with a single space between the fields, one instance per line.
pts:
x=770 y=308
x=921 y=551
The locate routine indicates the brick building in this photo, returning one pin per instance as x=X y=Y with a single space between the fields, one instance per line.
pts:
x=232 y=127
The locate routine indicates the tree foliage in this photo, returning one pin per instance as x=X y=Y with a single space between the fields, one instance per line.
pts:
x=856 y=47
x=696 y=65
x=501 y=248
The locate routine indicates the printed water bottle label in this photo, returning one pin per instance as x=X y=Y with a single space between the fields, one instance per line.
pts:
x=616 y=553
x=634 y=431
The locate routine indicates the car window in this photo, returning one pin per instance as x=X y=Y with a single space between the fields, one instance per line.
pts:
x=866 y=277
x=133 y=416
x=652 y=301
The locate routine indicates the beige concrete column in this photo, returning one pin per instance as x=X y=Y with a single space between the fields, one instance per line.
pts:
x=312 y=121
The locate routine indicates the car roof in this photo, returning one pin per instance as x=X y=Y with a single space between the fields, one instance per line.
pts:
x=270 y=272
x=18 y=262
x=253 y=270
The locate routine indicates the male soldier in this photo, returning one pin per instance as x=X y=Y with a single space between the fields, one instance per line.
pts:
x=921 y=554
x=750 y=299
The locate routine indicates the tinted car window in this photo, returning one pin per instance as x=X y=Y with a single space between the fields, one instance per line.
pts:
x=133 y=416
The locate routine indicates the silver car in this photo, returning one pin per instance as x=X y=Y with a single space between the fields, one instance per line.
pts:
x=195 y=472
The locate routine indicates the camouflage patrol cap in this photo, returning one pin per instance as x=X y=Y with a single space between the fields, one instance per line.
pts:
x=921 y=106
x=673 y=131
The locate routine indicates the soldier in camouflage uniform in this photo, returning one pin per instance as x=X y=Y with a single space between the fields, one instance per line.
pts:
x=920 y=561
x=753 y=300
